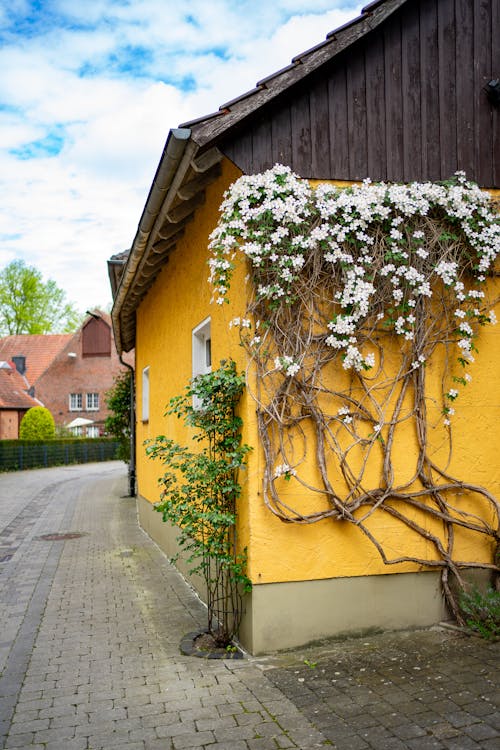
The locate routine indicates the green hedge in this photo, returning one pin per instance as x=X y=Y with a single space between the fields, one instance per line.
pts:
x=30 y=454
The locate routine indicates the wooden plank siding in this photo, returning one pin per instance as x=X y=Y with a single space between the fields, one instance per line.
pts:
x=404 y=102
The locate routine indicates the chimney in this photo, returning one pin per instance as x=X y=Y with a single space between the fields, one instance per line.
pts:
x=20 y=363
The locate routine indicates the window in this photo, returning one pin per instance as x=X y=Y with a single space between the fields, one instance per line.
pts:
x=93 y=431
x=202 y=349
x=202 y=352
x=145 y=394
x=75 y=401
x=92 y=401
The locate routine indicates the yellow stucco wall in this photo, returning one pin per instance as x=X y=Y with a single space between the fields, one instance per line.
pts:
x=279 y=552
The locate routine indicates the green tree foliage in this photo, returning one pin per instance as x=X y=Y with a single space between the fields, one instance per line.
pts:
x=118 y=423
x=30 y=305
x=37 y=424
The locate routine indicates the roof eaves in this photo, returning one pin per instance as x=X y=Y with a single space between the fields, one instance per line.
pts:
x=175 y=159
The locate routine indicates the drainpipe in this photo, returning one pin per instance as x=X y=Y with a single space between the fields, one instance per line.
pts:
x=131 y=465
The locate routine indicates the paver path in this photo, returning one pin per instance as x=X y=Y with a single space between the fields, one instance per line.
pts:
x=90 y=629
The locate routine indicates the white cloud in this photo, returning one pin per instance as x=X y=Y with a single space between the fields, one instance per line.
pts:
x=101 y=83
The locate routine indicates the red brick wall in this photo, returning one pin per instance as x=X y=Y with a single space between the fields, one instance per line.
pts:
x=77 y=375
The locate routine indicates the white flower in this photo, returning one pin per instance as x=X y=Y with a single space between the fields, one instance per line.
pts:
x=284 y=470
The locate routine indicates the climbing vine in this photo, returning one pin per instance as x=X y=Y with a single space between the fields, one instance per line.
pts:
x=361 y=333
x=200 y=489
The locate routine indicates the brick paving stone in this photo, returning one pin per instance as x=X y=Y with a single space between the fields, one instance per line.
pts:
x=90 y=632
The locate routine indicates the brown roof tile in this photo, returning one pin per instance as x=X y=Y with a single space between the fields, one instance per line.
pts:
x=13 y=389
x=39 y=350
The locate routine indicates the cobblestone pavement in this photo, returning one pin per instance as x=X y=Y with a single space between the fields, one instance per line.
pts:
x=90 y=628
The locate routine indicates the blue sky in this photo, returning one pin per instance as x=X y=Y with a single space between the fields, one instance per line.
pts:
x=88 y=93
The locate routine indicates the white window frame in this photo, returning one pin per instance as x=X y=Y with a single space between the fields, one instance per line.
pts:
x=145 y=394
x=202 y=348
x=201 y=352
x=75 y=402
x=92 y=402
x=93 y=431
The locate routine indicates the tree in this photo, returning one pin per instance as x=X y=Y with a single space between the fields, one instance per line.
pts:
x=118 y=423
x=30 y=305
x=37 y=424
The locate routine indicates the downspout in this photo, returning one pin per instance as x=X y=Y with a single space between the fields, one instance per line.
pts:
x=131 y=465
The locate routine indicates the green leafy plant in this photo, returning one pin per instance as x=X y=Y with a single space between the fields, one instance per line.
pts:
x=200 y=489
x=37 y=424
x=118 y=422
x=481 y=611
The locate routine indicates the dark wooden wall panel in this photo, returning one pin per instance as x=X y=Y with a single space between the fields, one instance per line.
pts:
x=337 y=98
x=429 y=97
x=405 y=102
x=464 y=14
x=262 y=144
x=320 y=131
x=281 y=136
x=356 y=114
x=394 y=112
x=375 y=109
x=495 y=68
x=410 y=95
x=483 y=62
x=301 y=131
x=447 y=86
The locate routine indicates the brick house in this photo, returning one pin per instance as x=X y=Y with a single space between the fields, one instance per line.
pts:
x=69 y=374
x=14 y=400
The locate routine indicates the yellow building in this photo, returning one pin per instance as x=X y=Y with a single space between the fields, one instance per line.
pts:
x=316 y=579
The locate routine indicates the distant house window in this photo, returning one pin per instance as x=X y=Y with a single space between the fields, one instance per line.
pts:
x=93 y=431
x=145 y=394
x=92 y=402
x=75 y=401
x=202 y=351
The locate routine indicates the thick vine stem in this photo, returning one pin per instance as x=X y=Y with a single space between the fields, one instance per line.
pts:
x=359 y=296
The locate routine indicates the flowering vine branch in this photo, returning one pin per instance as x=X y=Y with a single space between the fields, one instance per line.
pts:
x=358 y=295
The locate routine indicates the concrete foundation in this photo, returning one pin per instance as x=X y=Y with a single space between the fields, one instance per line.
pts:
x=286 y=615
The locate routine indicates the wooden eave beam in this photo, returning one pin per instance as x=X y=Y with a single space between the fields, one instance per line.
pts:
x=185 y=209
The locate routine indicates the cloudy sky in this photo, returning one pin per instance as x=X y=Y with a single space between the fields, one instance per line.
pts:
x=88 y=92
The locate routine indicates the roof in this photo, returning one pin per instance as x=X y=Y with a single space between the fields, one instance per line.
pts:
x=13 y=387
x=210 y=129
x=191 y=161
x=40 y=350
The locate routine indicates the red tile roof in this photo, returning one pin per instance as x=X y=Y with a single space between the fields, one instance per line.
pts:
x=39 y=350
x=13 y=389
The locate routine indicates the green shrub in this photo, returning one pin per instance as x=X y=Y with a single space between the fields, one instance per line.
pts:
x=481 y=611
x=37 y=424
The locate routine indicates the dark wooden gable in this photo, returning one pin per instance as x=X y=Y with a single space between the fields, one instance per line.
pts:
x=96 y=338
x=405 y=102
